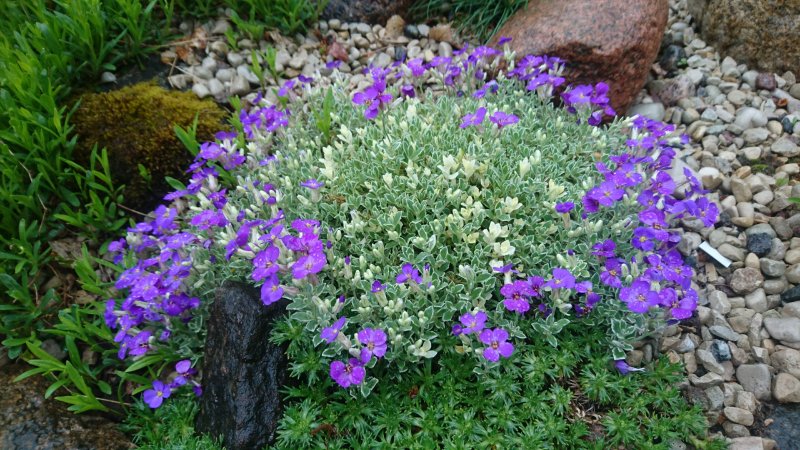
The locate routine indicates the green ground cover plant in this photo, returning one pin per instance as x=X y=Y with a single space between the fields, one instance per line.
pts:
x=464 y=256
x=48 y=193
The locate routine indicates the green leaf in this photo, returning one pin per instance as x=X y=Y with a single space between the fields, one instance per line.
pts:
x=145 y=361
x=175 y=184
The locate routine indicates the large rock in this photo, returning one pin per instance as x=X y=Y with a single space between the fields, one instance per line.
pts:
x=762 y=34
x=601 y=40
x=242 y=370
x=368 y=11
x=29 y=421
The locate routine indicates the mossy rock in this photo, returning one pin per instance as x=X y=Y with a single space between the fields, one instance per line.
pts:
x=136 y=126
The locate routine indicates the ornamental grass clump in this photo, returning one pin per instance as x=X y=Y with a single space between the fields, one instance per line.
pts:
x=465 y=229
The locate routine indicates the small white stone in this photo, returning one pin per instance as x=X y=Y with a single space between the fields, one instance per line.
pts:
x=235 y=59
x=225 y=74
x=108 y=77
x=240 y=85
x=200 y=90
x=215 y=87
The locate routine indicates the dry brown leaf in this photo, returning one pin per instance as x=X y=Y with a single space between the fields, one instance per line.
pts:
x=276 y=37
x=185 y=54
x=442 y=32
x=199 y=38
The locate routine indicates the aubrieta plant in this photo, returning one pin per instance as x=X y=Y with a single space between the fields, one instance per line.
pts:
x=474 y=224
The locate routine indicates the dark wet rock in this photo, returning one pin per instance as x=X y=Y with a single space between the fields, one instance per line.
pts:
x=29 y=422
x=760 y=244
x=721 y=350
x=411 y=31
x=788 y=124
x=784 y=430
x=601 y=40
x=242 y=371
x=792 y=295
x=399 y=53
x=761 y=34
x=367 y=11
x=672 y=58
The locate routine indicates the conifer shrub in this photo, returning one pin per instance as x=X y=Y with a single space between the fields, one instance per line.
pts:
x=135 y=124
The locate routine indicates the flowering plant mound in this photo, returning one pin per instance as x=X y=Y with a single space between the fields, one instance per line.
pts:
x=470 y=225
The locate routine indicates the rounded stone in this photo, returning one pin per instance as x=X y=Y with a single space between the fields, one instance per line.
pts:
x=654 y=111
x=739 y=415
x=755 y=378
x=772 y=268
x=746 y=280
x=787 y=360
x=786 y=388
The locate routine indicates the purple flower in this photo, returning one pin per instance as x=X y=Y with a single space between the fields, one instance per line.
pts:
x=417 y=67
x=610 y=276
x=265 y=263
x=638 y=296
x=347 y=374
x=308 y=265
x=607 y=193
x=473 y=323
x=312 y=184
x=663 y=184
x=210 y=151
x=707 y=212
x=535 y=283
x=140 y=344
x=503 y=40
x=333 y=64
x=679 y=309
x=604 y=249
x=374 y=342
x=626 y=175
x=288 y=85
x=377 y=286
x=408 y=272
x=508 y=268
x=497 y=346
x=516 y=294
x=474 y=119
x=407 y=90
x=562 y=279
x=502 y=119
x=374 y=98
x=271 y=290
x=578 y=95
x=185 y=371
x=565 y=207
x=624 y=368
x=330 y=333
x=590 y=204
x=643 y=239
x=154 y=397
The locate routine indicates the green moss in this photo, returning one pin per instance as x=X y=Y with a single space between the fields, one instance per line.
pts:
x=136 y=125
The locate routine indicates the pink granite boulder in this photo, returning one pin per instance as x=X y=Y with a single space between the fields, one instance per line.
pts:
x=602 y=40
